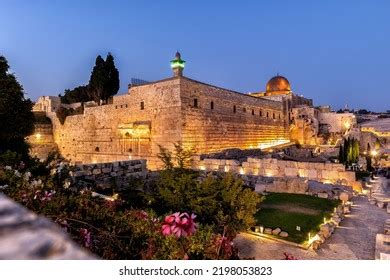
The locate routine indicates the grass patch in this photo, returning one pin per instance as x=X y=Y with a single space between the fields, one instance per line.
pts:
x=287 y=211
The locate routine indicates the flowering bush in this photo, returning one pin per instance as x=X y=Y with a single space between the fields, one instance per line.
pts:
x=179 y=225
x=113 y=229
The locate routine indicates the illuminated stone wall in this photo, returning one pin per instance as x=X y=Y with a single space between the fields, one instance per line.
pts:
x=223 y=119
x=163 y=113
x=330 y=173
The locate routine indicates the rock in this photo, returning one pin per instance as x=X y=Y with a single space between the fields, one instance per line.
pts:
x=388 y=208
x=380 y=204
x=276 y=231
x=323 y=195
x=96 y=171
x=344 y=197
x=268 y=230
x=372 y=201
x=316 y=244
x=283 y=234
x=326 y=230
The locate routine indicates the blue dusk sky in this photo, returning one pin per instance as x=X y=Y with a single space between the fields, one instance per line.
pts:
x=335 y=52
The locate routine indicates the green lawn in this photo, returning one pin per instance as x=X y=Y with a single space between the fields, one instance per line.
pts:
x=287 y=211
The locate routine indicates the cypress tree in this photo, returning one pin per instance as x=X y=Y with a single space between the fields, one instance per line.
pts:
x=112 y=73
x=98 y=80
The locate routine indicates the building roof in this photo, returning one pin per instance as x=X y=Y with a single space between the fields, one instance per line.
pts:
x=278 y=83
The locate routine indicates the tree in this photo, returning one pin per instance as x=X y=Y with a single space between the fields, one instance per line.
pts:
x=16 y=117
x=78 y=94
x=104 y=81
x=98 y=80
x=112 y=73
x=341 y=154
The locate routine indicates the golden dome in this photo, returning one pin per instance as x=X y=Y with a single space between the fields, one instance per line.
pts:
x=278 y=84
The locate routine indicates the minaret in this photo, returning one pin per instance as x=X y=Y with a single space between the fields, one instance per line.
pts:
x=177 y=65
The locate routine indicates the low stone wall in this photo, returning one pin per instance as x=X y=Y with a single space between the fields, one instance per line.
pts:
x=331 y=173
x=24 y=235
x=103 y=175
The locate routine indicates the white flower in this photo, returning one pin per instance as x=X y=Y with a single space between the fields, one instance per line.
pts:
x=67 y=183
x=3 y=187
x=8 y=167
x=27 y=175
x=17 y=173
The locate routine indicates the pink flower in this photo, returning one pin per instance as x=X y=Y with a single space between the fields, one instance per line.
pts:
x=179 y=225
x=47 y=195
x=85 y=237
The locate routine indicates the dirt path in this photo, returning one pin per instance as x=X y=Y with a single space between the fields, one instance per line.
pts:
x=354 y=239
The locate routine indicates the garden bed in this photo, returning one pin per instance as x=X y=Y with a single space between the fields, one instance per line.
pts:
x=287 y=211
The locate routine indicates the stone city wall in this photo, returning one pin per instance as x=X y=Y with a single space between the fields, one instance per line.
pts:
x=42 y=141
x=103 y=175
x=331 y=173
x=163 y=113
x=223 y=119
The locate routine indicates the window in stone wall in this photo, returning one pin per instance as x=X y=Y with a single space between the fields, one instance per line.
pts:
x=116 y=106
x=196 y=102
x=267 y=115
x=121 y=106
x=261 y=113
x=244 y=110
x=97 y=149
x=212 y=105
x=234 y=108
x=142 y=105
x=253 y=112
x=279 y=116
x=273 y=115
x=126 y=105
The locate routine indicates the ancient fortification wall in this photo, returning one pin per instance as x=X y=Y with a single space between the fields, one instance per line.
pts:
x=163 y=113
x=215 y=119
x=330 y=173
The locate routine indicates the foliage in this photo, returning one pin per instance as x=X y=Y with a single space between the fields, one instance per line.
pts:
x=220 y=200
x=9 y=158
x=349 y=151
x=111 y=229
x=15 y=112
x=104 y=81
x=78 y=94
x=62 y=113
x=180 y=158
x=278 y=211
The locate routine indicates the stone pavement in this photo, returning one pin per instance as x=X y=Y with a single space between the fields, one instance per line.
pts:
x=353 y=239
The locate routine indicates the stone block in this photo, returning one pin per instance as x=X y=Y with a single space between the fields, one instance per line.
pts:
x=283 y=234
x=97 y=171
x=232 y=162
x=303 y=173
x=312 y=174
x=276 y=231
x=106 y=170
x=260 y=187
x=291 y=172
x=268 y=230
x=302 y=165
x=323 y=195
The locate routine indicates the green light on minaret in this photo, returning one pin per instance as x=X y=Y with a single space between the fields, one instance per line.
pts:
x=177 y=62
